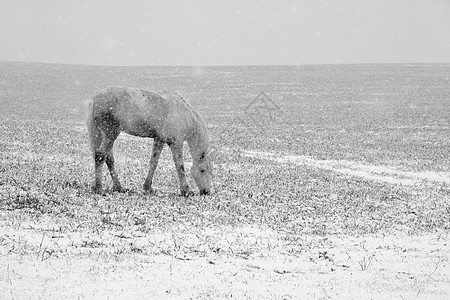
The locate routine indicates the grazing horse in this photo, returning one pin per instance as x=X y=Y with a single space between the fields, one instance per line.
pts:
x=166 y=117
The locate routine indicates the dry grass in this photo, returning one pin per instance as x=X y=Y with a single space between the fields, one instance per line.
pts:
x=393 y=116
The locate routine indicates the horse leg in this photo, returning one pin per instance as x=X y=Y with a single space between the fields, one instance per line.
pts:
x=109 y=158
x=158 y=145
x=177 y=153
x=99 y=159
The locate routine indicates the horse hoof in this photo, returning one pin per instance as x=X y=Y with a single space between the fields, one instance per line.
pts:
x=187 y=193
x=149 y=191
x=97 y=190
x=118 y=189
x=204 y=192
x=147 y=188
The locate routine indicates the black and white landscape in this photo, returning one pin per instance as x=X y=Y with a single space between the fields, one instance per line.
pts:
x=331 y=180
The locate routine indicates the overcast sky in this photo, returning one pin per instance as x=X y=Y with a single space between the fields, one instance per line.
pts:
x=229 y=32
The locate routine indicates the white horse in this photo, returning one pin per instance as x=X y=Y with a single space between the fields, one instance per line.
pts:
x=166 y=117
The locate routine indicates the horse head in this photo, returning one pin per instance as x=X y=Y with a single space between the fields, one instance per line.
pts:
x=201 y=171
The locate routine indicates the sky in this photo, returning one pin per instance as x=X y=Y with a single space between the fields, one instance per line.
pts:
x=228 y=32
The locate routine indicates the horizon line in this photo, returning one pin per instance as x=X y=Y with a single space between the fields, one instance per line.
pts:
x=225 y=65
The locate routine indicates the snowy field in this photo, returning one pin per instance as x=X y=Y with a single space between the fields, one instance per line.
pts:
x=334 y=183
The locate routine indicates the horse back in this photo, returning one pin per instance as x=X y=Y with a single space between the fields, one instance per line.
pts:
x=143 y=113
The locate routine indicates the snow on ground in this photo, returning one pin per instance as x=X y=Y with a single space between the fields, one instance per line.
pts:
x=249 y=262
x=351 y=168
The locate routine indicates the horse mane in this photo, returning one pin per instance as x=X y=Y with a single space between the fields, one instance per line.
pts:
x=198 y=141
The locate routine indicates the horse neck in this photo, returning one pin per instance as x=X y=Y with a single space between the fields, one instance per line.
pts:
x=199 y=141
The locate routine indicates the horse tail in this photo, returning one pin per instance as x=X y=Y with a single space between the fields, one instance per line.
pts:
x=93 y=132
